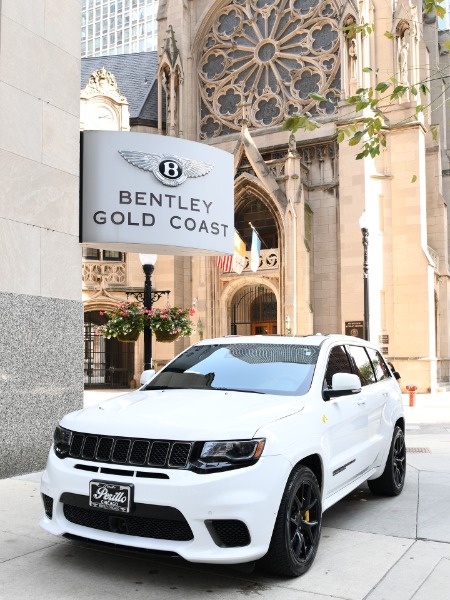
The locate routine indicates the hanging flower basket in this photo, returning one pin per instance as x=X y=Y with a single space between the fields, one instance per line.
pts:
x=129 y=337
x=166 y=336
x=125 y=322
x=128 y=319
x=170 y=323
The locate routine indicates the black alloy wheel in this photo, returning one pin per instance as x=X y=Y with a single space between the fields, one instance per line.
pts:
x=391 y=482
x=296 y=534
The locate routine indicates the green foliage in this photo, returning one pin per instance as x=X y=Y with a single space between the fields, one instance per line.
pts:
x=430 y=6
x=352 y=29
x=296 y=122
x=369 y=127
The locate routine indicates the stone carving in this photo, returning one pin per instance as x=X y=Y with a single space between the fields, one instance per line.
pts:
x=102 y=82
x=106 y=273
x=353 y=59
x=403 y=61
x=270 y=55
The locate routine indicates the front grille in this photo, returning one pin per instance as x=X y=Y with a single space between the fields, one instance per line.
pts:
x=228 y=533
x=127 y=524
x=130 y=451
x=48 y=506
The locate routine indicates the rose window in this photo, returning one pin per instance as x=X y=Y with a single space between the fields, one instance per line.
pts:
x=262 y=58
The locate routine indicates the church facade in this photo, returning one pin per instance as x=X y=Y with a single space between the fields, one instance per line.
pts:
x=228 y=74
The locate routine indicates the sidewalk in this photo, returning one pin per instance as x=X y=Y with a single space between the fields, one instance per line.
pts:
x=372 y=548
x=429 y=408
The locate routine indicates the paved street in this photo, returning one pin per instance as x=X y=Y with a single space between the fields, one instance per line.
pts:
x=372 y=548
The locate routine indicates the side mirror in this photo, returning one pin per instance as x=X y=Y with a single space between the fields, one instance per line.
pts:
x=147 y=376
x=343 y=384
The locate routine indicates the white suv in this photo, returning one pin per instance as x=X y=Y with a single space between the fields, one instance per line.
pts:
x=231 y=452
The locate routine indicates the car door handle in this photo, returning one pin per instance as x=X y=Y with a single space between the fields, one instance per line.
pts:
x=361 y=402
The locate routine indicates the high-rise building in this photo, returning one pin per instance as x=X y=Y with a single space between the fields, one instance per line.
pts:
x=118 y=26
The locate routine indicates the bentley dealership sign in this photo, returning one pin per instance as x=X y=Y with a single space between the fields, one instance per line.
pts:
x=155 y=194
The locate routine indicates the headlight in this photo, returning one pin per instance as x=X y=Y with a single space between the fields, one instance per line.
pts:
x=228 y=454
x=62 y=438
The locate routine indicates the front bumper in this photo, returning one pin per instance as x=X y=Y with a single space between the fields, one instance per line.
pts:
x=249 y=495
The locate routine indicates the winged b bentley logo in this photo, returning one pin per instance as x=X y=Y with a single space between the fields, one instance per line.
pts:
x=169 y=170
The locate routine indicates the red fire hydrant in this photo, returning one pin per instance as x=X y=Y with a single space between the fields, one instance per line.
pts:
x=412 y=394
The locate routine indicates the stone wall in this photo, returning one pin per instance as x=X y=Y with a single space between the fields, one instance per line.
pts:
x=41 y=349
x=41 y=365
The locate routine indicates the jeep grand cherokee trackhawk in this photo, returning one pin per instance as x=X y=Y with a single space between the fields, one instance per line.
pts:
x=231 y=452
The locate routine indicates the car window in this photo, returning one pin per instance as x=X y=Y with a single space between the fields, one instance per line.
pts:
x=379 y=365
x=362 y=364
x=338 y=362
x=283 y=369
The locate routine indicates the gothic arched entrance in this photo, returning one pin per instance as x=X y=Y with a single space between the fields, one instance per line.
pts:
x=107 y=363
x=254 y=311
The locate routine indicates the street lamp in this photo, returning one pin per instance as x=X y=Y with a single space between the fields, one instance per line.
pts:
x=364 y=225
x=148 y=264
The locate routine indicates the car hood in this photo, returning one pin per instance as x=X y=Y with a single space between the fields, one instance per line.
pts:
x=183 y=414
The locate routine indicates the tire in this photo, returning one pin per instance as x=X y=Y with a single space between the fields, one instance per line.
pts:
x=296 y=533
x=391 y=482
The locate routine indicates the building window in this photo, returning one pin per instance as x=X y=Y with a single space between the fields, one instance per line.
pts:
x=91 y=254
x=112 y=255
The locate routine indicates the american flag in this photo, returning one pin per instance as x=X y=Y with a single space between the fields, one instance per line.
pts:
x=236 y=262
x=225 y=263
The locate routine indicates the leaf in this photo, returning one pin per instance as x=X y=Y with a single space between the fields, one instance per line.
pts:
x=434 y=133
x=382 y=86
x=318 y=97
x=414 y=91
x=340 y=137
x=311 y=125
x=414 y=179
x=361 y=105
x=362 y=154
x=389 y=35
x=446 y=45
x=289 y=123
x=440 y=11
x=355 y=139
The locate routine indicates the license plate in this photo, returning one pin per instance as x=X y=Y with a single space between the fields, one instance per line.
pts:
x=111 y=496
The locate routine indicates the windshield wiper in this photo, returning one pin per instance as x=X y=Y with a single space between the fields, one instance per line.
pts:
x=162 y=387
x=224 y=389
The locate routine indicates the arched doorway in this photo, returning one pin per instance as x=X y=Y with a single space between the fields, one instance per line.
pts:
x=107 y=363
x=254 y=311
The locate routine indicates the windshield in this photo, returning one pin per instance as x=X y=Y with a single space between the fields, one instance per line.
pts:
x=283 y=369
